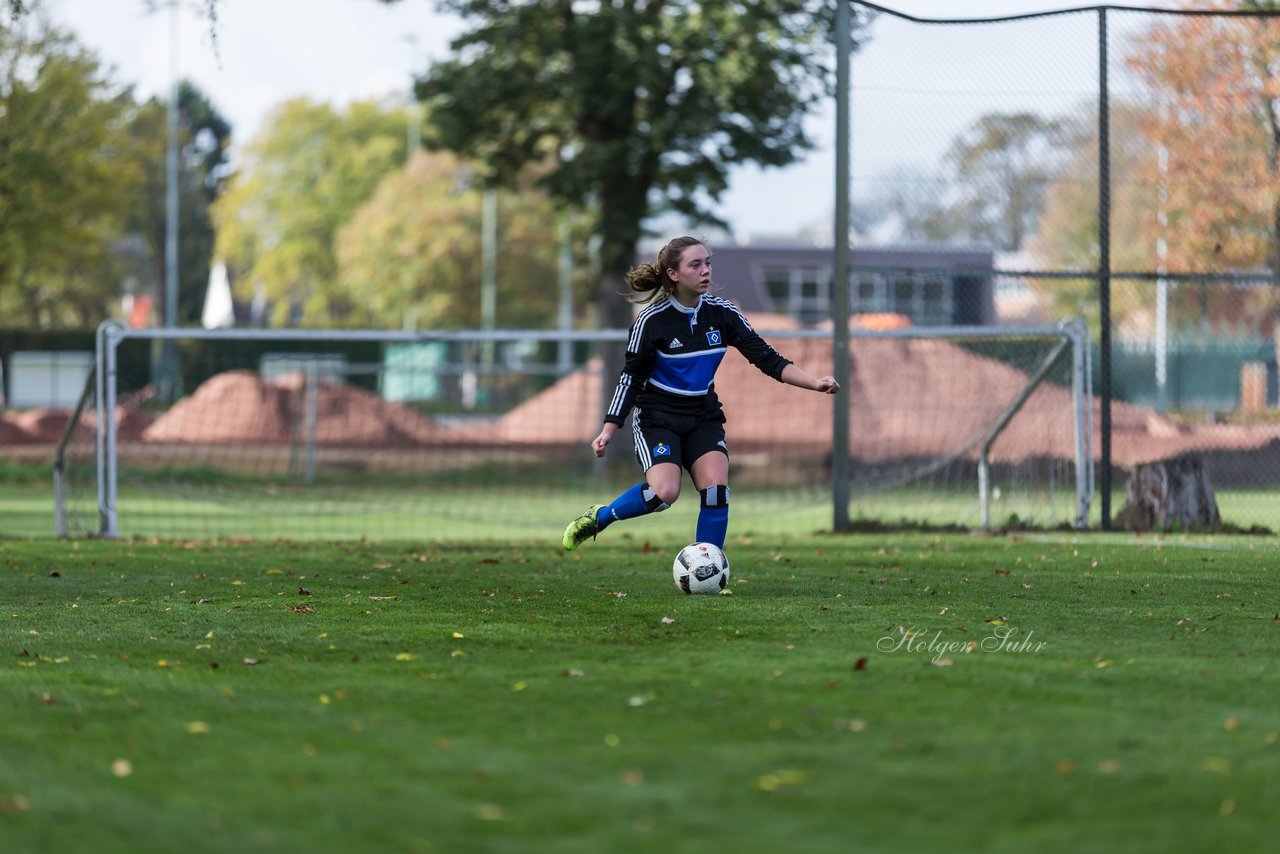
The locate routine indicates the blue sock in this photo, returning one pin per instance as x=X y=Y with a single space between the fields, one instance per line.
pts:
x=639 y=500
x=713 y=518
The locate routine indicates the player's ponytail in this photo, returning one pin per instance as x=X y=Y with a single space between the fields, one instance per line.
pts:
x=649 y=282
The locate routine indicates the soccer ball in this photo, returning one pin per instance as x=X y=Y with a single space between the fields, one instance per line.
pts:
x=701 y=568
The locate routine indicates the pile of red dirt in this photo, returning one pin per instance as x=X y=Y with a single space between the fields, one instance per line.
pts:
x=46 y=425
x=241 y=407
x=907 y=398
x=12 y=433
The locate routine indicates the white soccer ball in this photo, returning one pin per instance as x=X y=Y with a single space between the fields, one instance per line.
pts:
x=701 y=568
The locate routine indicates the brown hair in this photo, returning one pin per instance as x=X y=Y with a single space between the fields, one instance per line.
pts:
x=649 y=282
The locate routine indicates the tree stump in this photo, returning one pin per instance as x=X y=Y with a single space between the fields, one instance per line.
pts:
x=1167 y=495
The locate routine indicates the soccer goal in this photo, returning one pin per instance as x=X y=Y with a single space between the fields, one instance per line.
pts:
x=455 y=435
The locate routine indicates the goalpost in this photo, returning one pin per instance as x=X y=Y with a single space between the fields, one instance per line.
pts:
x=456 y=435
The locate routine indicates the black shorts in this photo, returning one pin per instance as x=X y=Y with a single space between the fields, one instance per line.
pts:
x=661 y=437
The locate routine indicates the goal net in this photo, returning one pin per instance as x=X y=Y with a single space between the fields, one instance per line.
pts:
x=443 y=436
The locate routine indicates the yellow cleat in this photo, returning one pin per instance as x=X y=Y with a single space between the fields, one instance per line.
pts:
x=584 y=528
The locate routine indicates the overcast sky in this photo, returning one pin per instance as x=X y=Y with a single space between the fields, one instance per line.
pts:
x=341 y=50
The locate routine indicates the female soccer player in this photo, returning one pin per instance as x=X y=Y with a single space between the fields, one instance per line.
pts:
x=674 y=347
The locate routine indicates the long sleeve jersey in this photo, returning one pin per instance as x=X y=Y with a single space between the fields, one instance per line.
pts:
x=673 y=352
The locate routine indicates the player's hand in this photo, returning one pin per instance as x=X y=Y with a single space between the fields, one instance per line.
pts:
x=828 y=385
x=599 y=443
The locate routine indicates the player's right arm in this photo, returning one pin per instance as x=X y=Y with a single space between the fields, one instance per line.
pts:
x=601 y=442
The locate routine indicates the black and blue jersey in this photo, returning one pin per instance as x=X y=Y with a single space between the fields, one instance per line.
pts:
x=673 y=352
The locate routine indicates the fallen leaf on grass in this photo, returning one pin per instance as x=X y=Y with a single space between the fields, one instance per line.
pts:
x=252 y=661
x=302 y=591
x=490 y=812
x=573 y=671
x=383 y=598
x=197 y=728
x=122 y=768
x=666 y=621
x=941 y=662
x=302 y=609
x=861 y=663
x=781 y=779
x=14 y=803
x=404 y=656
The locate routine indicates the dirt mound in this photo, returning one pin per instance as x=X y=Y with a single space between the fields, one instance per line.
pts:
x=11 y=433
x=45 y=424
x=240 y=406
x=907 y=398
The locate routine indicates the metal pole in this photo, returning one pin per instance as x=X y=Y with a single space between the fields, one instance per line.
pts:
x=168 y=360
x=312 y=407
x=840 y=277
x=488 y=277
x=564 y=308
x=1162 y=288
x=415 y=109
x=1104 y=266
x=109 y=337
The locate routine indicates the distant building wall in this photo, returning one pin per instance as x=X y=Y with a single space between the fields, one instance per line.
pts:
x=930 y=286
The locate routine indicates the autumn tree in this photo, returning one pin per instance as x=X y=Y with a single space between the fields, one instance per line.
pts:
x=1215 y=84
x=990 y=188
x=412 y=252
x=640 y=106
x=66 y=179
x=1066 y=237
x=298 y=182
x=1195 y=171
x=999 y=170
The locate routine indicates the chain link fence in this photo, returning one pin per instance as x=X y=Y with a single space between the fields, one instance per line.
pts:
x=1124 y=164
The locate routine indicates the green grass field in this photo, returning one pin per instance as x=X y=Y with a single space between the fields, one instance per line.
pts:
x=887 y=692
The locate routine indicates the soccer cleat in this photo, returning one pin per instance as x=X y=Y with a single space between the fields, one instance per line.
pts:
x=583 y=528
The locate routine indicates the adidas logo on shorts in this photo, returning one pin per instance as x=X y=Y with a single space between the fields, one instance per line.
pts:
x=675 y=344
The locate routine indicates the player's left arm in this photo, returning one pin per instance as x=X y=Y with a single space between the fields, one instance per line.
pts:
x=761 y=354
x=797 y=376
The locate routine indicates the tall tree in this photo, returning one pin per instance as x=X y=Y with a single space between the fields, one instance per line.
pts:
x=640 y=106
x=1195 y=174
x=298 y=182
x=66 y=177
x=1216 y=81
x=1066 y=236
x=1000 y=168
x=411 y=254
x=990 y=189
